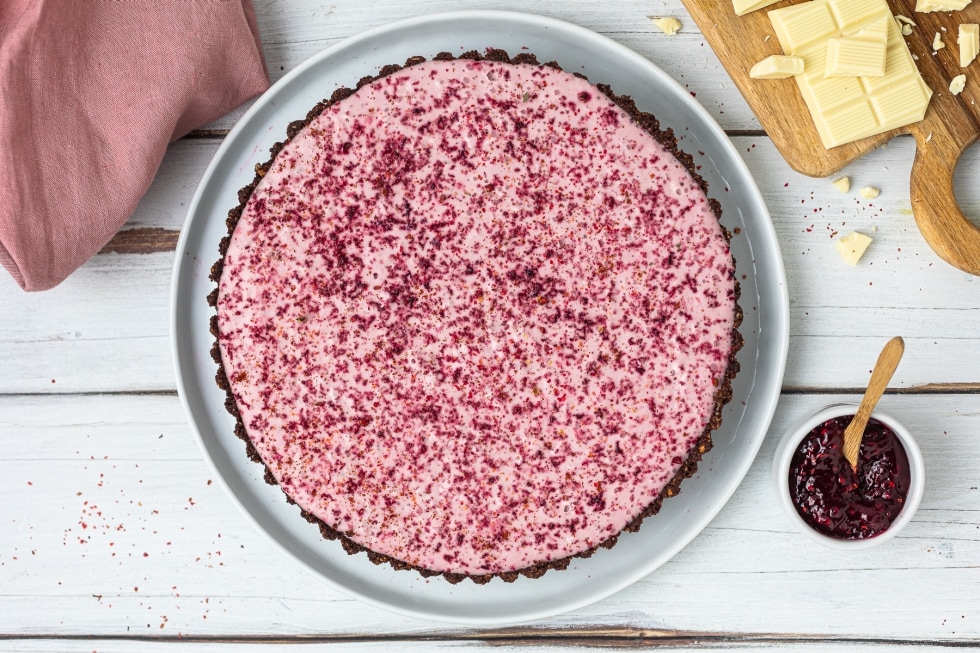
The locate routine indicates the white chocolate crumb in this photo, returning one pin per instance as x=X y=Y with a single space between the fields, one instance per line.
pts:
x=957 y=85
x=843 y=184
x=869 y=192
x=905 y=19
x=937 y=42
x=906 y=30
x=929 y=137
x=668 y=25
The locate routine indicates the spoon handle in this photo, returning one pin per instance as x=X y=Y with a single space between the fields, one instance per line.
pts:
x=888 y=360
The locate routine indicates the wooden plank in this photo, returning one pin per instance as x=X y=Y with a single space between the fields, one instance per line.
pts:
x=142 y=240
x=558 y=644
x=107 y=327
x=95 y=482
x=293 y=32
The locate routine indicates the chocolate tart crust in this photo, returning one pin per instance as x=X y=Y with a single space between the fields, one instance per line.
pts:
x=722 y=396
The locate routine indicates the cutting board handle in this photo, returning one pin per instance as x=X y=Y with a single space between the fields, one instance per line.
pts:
x=943 y=225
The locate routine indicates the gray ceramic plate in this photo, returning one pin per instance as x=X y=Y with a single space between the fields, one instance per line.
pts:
x=760 y=270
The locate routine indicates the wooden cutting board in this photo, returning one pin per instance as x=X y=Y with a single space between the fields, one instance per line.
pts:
x=951 y=123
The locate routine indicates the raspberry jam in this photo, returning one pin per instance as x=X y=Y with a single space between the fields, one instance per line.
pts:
x=834 y=500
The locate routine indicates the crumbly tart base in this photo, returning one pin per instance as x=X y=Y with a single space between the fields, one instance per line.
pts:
x=722 y=396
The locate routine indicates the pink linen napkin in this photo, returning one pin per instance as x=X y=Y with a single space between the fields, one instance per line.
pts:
x=91 y=93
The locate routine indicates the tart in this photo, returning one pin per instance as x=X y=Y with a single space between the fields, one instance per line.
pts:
x=476 y=317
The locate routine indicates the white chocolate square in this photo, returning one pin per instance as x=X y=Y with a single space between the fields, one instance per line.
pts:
x=850 y=56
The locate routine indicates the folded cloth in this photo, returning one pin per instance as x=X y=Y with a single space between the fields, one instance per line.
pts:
x=91 y=94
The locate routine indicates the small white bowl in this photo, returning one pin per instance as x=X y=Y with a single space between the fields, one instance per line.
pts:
x=784 y=455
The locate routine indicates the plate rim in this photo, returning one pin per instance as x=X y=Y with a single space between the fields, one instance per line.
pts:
x=767 y=403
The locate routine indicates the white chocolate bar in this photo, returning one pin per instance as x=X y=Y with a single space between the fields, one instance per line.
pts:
x=846 y=109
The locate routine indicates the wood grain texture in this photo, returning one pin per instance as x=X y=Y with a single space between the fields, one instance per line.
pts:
x=950 y=126
x=115 y=534
x=145 y=240
x=566 y=642
x=881 y=375
x=116 y=525
x=114 y=522
x=54 y=342
x=941 y=220
x=296 y=30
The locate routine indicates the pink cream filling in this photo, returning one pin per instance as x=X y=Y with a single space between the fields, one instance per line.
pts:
x=474 y=317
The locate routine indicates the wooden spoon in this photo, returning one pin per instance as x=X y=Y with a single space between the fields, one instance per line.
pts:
x=888 y=359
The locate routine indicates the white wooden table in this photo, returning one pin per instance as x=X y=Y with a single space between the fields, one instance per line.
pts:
x=115 y=535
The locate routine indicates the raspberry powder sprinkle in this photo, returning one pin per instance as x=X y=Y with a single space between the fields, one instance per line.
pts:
x=474 y=317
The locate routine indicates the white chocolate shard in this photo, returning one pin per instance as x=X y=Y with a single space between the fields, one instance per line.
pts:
x=926 y=6
x=937 y=42
x=869 y=192
x=668 y=25
x=743 y=7
x=777 y=66
x=853 y=246
x=843 y=184
x=969 y=42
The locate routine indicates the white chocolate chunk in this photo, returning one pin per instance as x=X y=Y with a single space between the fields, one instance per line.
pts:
x=777 y=66
x=969 y=42
x=937 y=42
x=743 y=7
x=869 y=192
x=843 y=184
x=926 y=6
x=860 y=55
x=905 y=24
x=853 y=246
x=846 y=109
x=957 y=85
x=668 y=25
